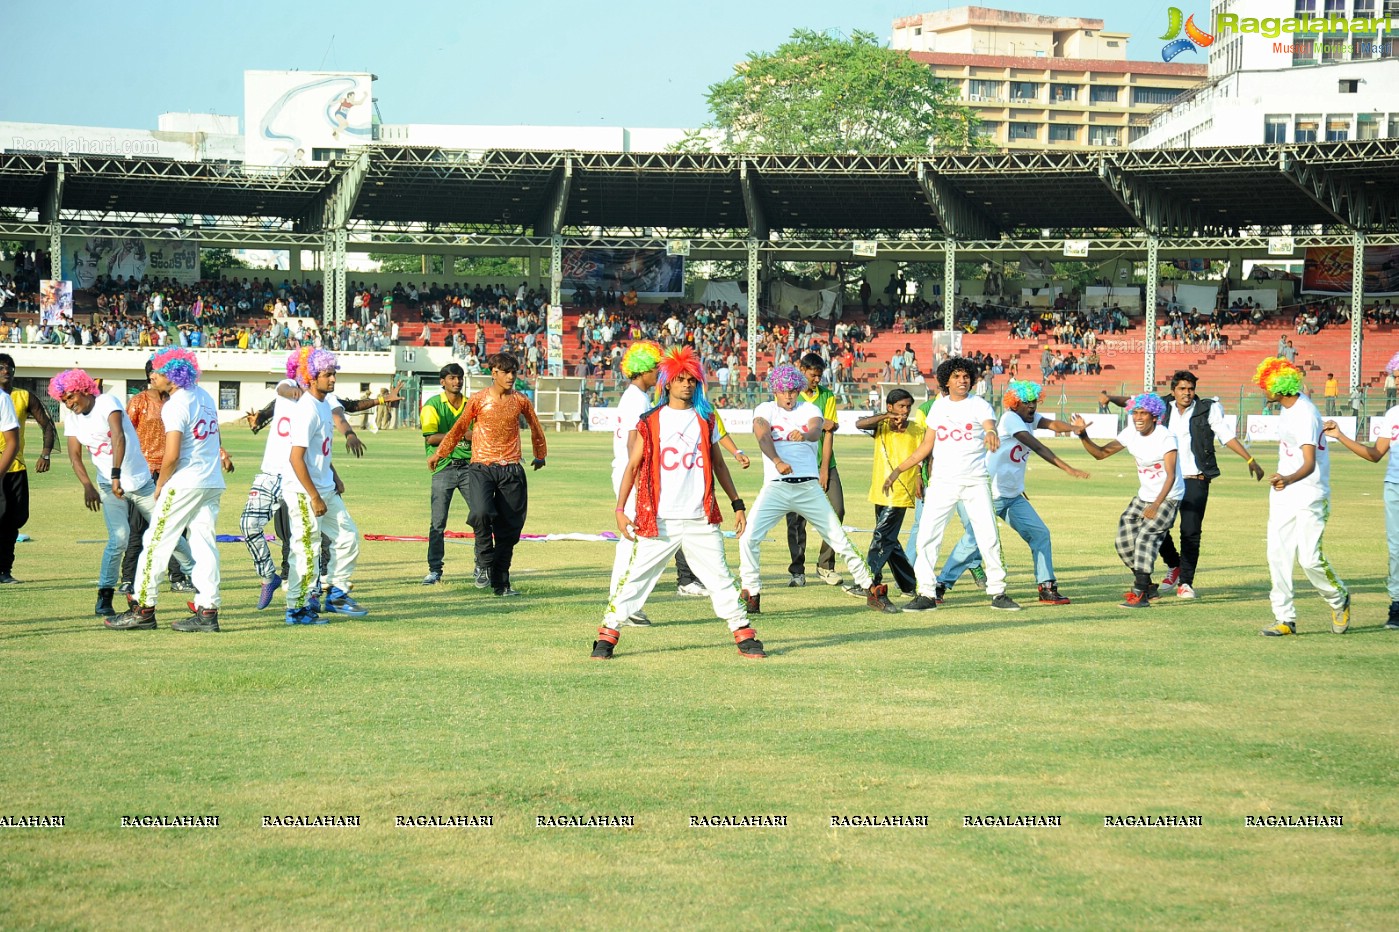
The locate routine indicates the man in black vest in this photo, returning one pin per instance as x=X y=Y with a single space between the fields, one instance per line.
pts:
x=1196 y=424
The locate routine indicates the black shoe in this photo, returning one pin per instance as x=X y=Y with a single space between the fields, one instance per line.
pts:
x=1005 y=603
x=6 y=579
x=753 y=602
x=507 y=591
x=1136 y=598
x=748 y=643
x=879 y=600
x=104 y=608
x=940 y=593
x=124 y=588
x=432 y=578
x=136 y=618
x=181 y=585
x=203 y=619
x=481 y=578
x=1049 y=595
x=1393 y=622
x=921 y=604
x=606 y=640
x=1153 y=591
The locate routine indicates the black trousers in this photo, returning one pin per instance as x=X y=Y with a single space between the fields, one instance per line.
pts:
x=796 y=531
x=14 y=514
x=1192 y=520
x=885 y=549
x=452 y=479
x=498 y=499
x=136 y=524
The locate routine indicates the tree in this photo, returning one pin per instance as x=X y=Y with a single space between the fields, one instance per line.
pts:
x=824 y=92
x=214 y=261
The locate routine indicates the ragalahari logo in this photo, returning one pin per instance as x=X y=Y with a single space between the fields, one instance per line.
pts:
x=1194 y=35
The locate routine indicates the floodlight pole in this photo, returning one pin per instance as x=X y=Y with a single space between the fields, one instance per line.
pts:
x=55 y=250
x=1153 y=276
x=1357 y=305
x=556 y=271
x=949 y=288
x=753 y=305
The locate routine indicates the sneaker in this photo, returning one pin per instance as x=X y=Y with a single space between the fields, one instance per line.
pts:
x=183 y=585
x=1153 y=591
x=748 y=643
x=753 y=602
x=203 y=620
x=104 y=607
x=338 y=602
x=1340 y=620
x=921 y=604
x=1136 y=598
x=1185 y=591
x=829 y=577
x=1004 y=603
x=940 y=591
x=313 y=602
x=638 y=620
x=797 y=581
x=6 y=579
x=1393 y=622
x=978 y=577
x=1280 y=630
x=857 y=590
x=507 y=591
x=1172 y=578
x=432 y=578
x=136 y=618
x=124 y=588
x=481 y=577
x=695 y=591
x=269 y=586
x=1049 y=595
x=606 y=640
x=878 y=600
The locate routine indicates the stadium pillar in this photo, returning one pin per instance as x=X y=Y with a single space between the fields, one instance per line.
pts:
x=1357 y=305
x=555 y=270
x=294 y=263
x=1153 y=272
x=949 y=288
x=55 y=250
x=342 y=239
x=533 y=268
x=327 y=277
x=753 y=292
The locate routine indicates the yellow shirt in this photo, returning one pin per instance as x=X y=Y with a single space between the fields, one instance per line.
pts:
x=1332 y=388
x=20 y=397
x=891 y=448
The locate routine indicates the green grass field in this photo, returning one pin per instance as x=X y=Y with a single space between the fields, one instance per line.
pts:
x=448 y=702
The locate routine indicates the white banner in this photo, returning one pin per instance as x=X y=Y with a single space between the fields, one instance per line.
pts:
x=132 y=257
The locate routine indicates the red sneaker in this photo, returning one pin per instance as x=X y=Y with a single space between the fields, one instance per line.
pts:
x=1172 y=578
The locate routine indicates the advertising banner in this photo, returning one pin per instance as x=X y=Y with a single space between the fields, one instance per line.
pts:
x=1328 y=271
x=55 y=302
x=650 y=272
x=289 y=115
x=555 y=333
x=132 y=257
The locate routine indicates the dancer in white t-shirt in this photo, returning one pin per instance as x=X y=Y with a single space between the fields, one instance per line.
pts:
x=640 y=364
x=1300 y=501
x=961 y=428
x=1152 y=511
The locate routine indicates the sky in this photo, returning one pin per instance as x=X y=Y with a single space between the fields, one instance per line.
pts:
x=492 y=62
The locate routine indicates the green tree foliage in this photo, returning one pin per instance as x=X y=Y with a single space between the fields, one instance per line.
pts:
x=826 y=92
x=213 y=261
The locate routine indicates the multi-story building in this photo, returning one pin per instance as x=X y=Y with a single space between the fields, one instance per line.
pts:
x=1336 y=82
x=1040 y=82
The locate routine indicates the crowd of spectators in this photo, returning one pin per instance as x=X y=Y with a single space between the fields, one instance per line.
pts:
x=20 y=289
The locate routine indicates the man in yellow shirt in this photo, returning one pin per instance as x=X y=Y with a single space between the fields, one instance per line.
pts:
x=14 y=479
x=895 y=439
x=1332 y=392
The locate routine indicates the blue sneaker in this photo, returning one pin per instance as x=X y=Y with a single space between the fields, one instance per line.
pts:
x=338 y=601
x=313 y=602
x=269 y=587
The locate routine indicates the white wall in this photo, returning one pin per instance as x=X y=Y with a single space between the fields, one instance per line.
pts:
x=126 y=143
x=545 y=138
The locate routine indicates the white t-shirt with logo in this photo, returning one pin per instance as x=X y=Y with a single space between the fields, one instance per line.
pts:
x=1299 y=426
x=278 y=450
x=799 y=454
x=682 y=469
x=94 y=431
x=633 y=404
x=960 y=450
x=8 y=418
x=1150 y=453
x=1007 y=465
x=193 y=413
x=1389 y=429
x=312 y=427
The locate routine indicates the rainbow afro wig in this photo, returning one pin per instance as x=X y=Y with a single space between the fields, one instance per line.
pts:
x=1148 y=402
x=641 y=357
x=295 y=360
x=72 y=380
x=1277 y=376
x=177 y=365
x=786 y=378
x=1021 y=393
x=682 y=359
x=313 y=363
x=1392 y=366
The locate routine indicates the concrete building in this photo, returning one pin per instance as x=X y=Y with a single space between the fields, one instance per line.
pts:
x=1040 y=82
x=1268 y=85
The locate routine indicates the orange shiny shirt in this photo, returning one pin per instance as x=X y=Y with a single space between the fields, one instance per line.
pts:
x=144 y=410
x=495 y=437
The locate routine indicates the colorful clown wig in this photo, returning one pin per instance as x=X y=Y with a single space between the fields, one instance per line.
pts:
x=72 y=380
x=1148 y=402
x=1392 y=366
x=295 y=360
x=641 y=357
x=786 y=378
x=1021 y=393
x=313 y=364
x=1277 y=376
x=956 y=364
x=177 y=365
x=682 y=360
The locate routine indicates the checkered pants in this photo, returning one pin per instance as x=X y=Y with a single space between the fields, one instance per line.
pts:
x=1138 y=539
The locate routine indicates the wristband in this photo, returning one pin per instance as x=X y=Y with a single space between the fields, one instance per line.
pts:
x=621 y=511
x=116 y=472
x=45 y=455
x=737 y=505
x=1249 y=461
x=739 y=453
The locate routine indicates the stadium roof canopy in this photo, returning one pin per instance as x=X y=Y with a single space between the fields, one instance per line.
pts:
x=414 y=190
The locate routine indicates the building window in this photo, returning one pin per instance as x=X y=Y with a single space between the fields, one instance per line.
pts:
x=1389 y=47
x=1348 y=85
x=1332 y=48
x=1102 y=136
x=1335 y=8
x=1393 y=132
x=1154 y=96
x=988 y=129
x=228 y=396
x=1304 y=50
x=1020 y=132
x=1275 y=130
x=1103 y=95
x=1306 y=7
x=984 y=90
x=1024 y=90
x=1063 y=93
x=1113 y=43
x=1061 y=133
x=1338 y=129
x=1367 y=126
x=1362 y=47
x=1364 y=9
x=1137 y=132
x=1306 y=128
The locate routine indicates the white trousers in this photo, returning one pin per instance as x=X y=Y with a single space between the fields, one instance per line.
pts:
x=306 y=531
x=939 y=502
x=177 y=511
x=647 y=557
x=624 y=548
x=1294 y=535
x=807 y=499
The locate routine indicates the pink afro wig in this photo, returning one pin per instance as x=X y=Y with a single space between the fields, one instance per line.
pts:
x=313 y=364
x=72 y=380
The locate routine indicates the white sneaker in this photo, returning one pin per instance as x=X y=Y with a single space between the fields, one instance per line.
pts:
x=694 y=590
x=829 y=577
x=1185 y=591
